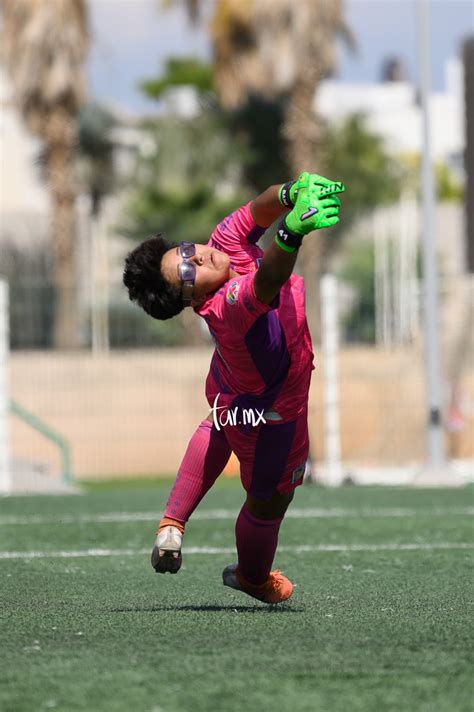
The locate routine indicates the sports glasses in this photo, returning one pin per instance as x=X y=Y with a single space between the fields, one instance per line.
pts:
x=187 y=271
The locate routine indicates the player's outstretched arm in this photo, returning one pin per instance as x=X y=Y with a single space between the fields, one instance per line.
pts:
x=316 y=206
x=268 y=206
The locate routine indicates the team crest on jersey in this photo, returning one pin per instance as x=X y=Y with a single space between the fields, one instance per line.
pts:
x=298 y=473
x=232 y=292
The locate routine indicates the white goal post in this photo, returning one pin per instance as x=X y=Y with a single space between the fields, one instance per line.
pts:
x=5 y=470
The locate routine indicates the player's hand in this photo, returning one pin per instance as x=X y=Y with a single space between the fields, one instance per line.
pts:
x=317 y=205
x=325 y=186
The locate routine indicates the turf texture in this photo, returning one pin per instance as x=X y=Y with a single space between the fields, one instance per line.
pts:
x=379 y=628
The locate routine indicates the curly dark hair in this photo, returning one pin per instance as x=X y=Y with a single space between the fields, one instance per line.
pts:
x=145 y=282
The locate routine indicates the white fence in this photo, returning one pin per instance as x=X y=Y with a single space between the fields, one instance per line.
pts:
x=5 y=470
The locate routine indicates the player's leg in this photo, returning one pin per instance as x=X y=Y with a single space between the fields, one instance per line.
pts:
x=274 y=508
x=276 y=468
x=256 y=533
x=206 y=456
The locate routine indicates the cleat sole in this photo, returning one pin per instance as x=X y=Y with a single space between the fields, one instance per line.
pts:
x=166 y=561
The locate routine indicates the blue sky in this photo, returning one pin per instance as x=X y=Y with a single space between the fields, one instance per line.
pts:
x=131 y=40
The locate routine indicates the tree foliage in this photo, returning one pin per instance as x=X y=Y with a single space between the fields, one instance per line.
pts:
x=358 y=157
x=95 y=151
x=256 y=128
x=188 y=182
x=187 y=71
x=358 y=272
x=202 y=168
x=448 y=186
x=44 y=49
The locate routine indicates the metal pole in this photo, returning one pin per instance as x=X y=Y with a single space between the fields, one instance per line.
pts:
x=435 y=445
x=329 y=337
x=48 y=432
x=5 y=470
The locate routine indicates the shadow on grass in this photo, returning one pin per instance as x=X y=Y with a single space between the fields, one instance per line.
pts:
x=263 y=608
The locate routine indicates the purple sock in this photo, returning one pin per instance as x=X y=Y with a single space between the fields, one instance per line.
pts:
x=206 y=456
x=257 y=540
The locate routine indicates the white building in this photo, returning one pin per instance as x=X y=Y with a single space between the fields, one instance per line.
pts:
x=393 y=111
x=24 y=197
x=24 y=202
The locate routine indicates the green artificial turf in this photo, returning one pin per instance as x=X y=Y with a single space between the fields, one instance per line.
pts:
x=380 y=630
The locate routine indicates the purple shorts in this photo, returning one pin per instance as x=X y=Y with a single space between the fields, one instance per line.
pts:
x=272 y=456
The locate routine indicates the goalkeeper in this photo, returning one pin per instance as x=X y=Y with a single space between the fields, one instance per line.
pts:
x=260 y=373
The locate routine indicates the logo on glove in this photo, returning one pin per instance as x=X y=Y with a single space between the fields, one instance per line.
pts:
x=309 y=213
x=333 y=188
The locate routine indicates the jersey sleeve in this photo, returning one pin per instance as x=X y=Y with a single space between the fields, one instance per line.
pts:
x=235 y=307
x=237 y=230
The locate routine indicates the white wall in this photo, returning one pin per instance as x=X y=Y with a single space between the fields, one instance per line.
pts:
x=21 y=188
x=394 y=113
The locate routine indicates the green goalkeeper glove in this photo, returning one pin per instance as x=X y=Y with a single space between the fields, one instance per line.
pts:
x=288 y=193
x=316 y=207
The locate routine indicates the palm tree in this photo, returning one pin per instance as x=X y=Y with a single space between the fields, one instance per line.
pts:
x=44 y=46
x=282 y=49
x=275 y=48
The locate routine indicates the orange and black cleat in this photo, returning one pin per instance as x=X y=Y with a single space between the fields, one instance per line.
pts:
x=276 y=589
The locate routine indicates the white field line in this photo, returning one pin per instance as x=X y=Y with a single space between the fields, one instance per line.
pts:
x=303 y=549
x=212 y=514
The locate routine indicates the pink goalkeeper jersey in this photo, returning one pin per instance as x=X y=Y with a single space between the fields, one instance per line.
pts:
x=263 y=357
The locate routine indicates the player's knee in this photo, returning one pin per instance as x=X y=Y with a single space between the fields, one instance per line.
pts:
x=271 y=509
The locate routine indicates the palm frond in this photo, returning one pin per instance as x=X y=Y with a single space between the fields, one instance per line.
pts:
x=44 y=46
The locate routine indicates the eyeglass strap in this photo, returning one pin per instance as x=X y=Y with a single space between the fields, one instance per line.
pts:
x=187 y=293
